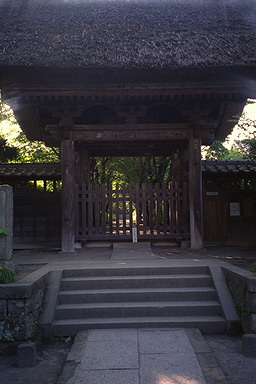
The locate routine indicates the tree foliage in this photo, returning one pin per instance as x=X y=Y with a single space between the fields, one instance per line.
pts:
x=14 y=145
x=5 y=112
x=249 y=146
x=7 y=152
x=242 y=145
x=217 y=151
x=35 y=151
x=131 y=170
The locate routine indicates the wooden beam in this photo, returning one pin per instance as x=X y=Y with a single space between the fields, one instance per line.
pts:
x=68 y=196
x=133 y=127
x=124 y=132
x=195 y=194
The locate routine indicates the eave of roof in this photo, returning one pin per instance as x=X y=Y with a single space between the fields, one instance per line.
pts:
x=48 y=171
x=33 y=171
x=217 y=166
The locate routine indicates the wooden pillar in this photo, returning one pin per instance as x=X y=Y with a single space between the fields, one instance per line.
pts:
x=67 y=196
x=82 y=167
x=195 y=194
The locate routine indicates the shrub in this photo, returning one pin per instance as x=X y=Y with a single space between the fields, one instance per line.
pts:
x=254 y=268
x=3 y=231
x=7 y=275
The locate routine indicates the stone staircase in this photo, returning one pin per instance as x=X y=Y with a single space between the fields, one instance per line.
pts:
x=126 y=297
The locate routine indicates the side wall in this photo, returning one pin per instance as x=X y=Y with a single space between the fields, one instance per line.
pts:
x=242 y=285
x=230 y=217
x=37 y=218
x=20 y=307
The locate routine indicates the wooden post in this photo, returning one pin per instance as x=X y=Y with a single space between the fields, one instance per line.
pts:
x=195 y=194
x=82 y=167
x=67 y=196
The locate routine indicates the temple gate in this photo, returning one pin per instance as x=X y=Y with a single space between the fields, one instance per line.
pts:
x=156 y=123
x=136 y=78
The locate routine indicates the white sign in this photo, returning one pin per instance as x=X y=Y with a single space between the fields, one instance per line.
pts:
x=234 y=209
x=212 y=193
x=134 y=234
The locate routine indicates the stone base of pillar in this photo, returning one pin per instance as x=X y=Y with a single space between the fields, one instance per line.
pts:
x=6 y=226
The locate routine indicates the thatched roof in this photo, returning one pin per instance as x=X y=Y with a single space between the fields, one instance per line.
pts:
x=120 y=34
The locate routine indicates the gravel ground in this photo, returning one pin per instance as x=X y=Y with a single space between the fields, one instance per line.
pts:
x=50 y=362
x=237 y=368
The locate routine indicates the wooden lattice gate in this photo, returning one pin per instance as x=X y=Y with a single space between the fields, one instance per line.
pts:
x=111 y=211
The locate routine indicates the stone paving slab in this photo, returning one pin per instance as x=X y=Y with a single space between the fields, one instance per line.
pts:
x=108 y=377
x=142 y=245
x=164 y=341
x=110 y=355
x=108 y=335
x=132 y=251
x=141 y=356
x=130 y=254
x=170 y=369
x=166 y=356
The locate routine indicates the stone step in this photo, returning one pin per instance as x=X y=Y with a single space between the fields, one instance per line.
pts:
x=136 y=295
x=138 y=281
x=140 y=309
x=206 y=324
x=139 y=297
x=129 y=271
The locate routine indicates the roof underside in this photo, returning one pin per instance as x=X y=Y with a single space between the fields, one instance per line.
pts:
x=61 y=58
x=123 y=34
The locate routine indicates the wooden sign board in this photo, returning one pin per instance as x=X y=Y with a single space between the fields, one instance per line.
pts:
x=129 y=132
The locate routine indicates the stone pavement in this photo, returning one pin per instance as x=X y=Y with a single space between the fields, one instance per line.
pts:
x=132 y=356
x=132 y=251
x=141 y=356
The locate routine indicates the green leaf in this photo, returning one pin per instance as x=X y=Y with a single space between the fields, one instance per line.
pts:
x=3 y=231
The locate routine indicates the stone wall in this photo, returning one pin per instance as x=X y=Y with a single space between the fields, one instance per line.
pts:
x=242 y=285
x=20 y=307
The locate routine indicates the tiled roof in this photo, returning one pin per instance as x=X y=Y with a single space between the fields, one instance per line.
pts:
x=210 y=166
x=48 y=171
x=39 y=171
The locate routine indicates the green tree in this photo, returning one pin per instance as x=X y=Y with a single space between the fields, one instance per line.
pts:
x=249 y=146
x=7 y=152
x=217 y=151
x=247 y=126
x=34 y=151
x=14 y=145
x=131 y=170
x=5 y=112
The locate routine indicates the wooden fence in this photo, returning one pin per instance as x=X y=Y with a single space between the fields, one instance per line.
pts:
x=111 y=211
